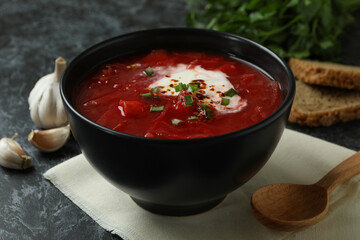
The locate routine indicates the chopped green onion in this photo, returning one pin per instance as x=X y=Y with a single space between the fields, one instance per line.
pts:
x=155 y=90
x=194 y=87
x=231 y=92
x=156 y=108
x=208 y=111
x=192 y=118
x=180 y=86
x=188 y=100
x=150 y=94
x=184 y=86
x=177 y=88
x=146 y=95
x=225 y=101
x=149 y=71
x=176 y=121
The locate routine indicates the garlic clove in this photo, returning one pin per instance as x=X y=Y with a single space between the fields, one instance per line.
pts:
x=45 y=104
x=12 y=155
x=49 y=140
x=60 y=65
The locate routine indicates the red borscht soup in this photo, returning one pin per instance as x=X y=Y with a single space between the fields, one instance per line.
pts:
x=177 y=95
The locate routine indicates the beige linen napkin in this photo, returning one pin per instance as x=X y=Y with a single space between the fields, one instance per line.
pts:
x=298 y=158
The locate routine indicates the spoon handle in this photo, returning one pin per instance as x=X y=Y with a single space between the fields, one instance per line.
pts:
x=341 y=173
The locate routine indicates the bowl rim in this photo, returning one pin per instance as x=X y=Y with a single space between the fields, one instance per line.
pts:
x=286 y=103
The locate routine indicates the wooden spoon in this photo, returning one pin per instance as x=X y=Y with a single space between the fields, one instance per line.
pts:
x=291 y=207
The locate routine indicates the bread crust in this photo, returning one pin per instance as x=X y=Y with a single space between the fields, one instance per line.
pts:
x=325 y=119
x=326 y=73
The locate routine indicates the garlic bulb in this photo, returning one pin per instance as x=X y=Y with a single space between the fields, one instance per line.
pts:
x=45 y=104
x=51 y=139
x=12 y=155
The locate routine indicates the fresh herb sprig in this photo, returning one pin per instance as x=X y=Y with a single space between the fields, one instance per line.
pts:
x=291 y=28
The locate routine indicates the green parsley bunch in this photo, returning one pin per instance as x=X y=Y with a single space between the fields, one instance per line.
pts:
x=291 y=28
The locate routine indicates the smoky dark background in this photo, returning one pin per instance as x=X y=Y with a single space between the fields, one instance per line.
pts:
x=32 y=35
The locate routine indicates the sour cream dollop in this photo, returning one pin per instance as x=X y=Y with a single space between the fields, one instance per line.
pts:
x=212 y=85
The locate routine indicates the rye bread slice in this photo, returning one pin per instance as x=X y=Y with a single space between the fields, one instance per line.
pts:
x=323 y=106
x=326 y=73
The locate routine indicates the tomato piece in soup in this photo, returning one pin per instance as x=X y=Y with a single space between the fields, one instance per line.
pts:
x=130 y=108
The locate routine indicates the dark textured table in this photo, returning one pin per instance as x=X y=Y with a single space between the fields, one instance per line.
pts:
x=32 y=35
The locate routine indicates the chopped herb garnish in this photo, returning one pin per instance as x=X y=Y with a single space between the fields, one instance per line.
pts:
x=231 y=92
x=208 y=111
x=194 y=87
x=152 y=93
x=149 y=71
x=225 y=101
x=180 y=86
x=156 y=108
x=155 y=90
x=188 y=100
x=146 y=95
x=176 y=121
x=192 y=118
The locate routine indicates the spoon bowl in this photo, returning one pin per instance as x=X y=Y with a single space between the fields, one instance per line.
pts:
x=274 y=205
x=291 y=207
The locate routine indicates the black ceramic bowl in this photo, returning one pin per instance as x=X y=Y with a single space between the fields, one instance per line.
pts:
x=178 y=177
